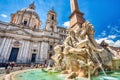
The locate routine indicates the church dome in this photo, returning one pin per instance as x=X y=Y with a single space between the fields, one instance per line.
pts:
x=31 y=8
x=30 y=11
x=27 y=17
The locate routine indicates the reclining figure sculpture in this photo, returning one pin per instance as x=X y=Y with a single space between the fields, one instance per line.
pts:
x=77 y=53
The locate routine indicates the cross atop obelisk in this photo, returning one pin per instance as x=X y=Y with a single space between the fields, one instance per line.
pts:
x=76 y=18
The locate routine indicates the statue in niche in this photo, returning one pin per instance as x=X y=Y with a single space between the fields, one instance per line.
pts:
x=16 y=43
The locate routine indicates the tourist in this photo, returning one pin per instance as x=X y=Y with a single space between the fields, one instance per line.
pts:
x=12 y=65
x=21 y=67
x=6 y=65
x=45 y=65
x=8 y=70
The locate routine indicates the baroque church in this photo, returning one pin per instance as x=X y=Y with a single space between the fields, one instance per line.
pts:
x=22 y=40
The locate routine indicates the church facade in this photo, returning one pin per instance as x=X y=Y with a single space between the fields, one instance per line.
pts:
x=22 y=40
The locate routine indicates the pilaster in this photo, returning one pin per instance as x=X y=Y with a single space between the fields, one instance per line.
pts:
x=44 y=51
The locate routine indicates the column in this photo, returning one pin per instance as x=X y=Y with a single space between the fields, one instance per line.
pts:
x=23 y=54
x=19 y=58
x=7 y=49
x=38 y=54
x=44 y=51
x=4 y=49
x=27 y=51
x=1 y=40
x=2 y=45
x=1 y=48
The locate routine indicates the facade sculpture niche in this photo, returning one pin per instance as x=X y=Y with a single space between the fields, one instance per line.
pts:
x=16 y=43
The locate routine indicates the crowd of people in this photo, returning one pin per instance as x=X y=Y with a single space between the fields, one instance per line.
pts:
x=10 y=66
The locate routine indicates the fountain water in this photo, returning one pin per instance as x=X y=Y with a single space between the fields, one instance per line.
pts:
x=100 y=65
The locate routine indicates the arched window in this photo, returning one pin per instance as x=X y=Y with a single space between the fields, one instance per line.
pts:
x=52 y=17
x=51 y=47
x=52 y=28
x=34 y=26
x=25 y=22
x=50 y=55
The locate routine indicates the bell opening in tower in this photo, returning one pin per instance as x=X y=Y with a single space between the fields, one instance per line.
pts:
x=52 y=17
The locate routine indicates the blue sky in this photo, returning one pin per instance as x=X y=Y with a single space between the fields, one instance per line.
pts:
x=103 y=14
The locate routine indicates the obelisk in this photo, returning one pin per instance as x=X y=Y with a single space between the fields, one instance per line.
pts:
x=76 y=18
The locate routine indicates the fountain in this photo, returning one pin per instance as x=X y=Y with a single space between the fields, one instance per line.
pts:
x=78 y=56
x=78 y=53
x=75 y=60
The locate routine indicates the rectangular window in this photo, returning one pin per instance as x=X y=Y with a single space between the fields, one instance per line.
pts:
x=51 y=47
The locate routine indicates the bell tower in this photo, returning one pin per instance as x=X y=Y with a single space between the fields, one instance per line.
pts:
x=51 y=23
x=76 y=18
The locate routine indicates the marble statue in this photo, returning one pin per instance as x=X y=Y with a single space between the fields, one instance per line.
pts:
x=77 y=53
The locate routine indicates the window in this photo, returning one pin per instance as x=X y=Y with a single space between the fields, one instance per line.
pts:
x=51 y=33
x=33 y=58
x=52 y=17
x=52 y=28
x=50 y=55
x=35 y=27
x=51 y=47
x=34 y=50
x=25 y=23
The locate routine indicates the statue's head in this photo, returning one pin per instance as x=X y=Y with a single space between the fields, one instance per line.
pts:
x=72 y=33
x=58 y=49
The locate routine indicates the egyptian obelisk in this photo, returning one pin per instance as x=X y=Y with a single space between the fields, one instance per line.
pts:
x=76 y=18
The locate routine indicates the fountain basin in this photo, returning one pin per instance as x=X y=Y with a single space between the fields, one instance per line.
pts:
x=38 y=74
x=112 y=75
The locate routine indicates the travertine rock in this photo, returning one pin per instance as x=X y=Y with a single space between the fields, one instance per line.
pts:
x=78 y=52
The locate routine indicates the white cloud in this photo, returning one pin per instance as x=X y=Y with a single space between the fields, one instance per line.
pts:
x=116 y=29
x=117 y=43
x=112 y=36
x=4 y=15
x=103 y=33
x=109 y=41
x=66 y=24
